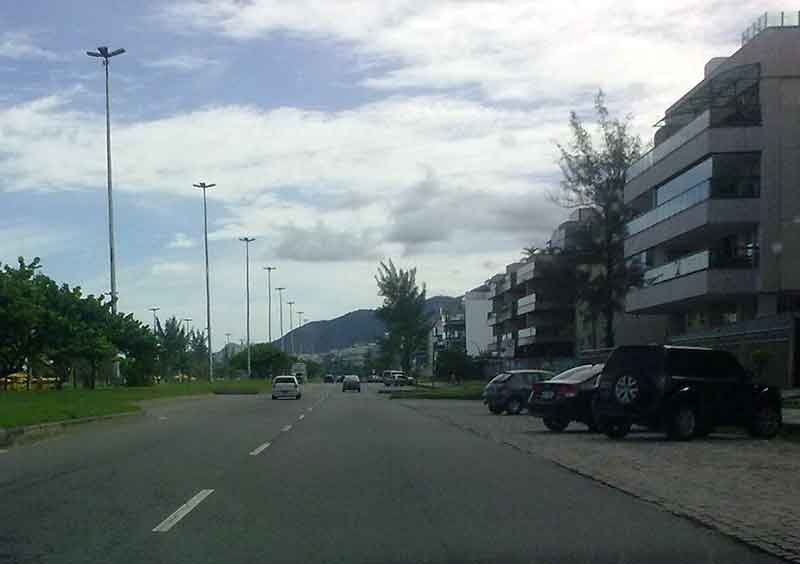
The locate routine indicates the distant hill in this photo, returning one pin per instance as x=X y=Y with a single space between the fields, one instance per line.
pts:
x=358 y=326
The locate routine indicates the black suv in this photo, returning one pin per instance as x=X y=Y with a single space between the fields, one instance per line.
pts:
x=685 y=391
x=509 y=391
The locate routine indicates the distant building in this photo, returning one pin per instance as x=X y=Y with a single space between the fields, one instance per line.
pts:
x=477 y=306
x=227 y=352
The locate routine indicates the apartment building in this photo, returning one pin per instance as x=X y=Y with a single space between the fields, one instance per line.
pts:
x=718 y=207
x=477 y=307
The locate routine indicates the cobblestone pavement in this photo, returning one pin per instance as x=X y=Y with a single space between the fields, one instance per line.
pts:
x=745 y=488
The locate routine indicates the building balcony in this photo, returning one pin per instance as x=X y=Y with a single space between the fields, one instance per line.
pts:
x=526 y=272
x=704 y=276
x=505 y=314
x=491 y=318
x=693 y=218
x=526 y=304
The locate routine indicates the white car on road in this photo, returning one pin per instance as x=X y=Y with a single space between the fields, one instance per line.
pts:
x=286 y=387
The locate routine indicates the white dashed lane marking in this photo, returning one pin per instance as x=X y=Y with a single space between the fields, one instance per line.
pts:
x=182 y=511
x=301 y=417
x=259 y=450
x=286 y=428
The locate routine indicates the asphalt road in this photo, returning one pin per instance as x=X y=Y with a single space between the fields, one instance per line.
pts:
x=357 y=479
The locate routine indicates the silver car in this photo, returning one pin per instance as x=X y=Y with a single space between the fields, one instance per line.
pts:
x=286 y=387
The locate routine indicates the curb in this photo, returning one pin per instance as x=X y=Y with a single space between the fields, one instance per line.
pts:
x=8 y=436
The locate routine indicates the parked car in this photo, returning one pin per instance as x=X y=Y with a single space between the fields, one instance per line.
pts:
x=509 y=391
x=339 y=378
x=351 y=382
x=286 y=387
x=566 y=398
x=329 y=379
x=394 y=378
x=684 y=391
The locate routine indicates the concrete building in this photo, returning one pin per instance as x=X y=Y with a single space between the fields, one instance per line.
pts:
x=477 y=306
x=718 y=208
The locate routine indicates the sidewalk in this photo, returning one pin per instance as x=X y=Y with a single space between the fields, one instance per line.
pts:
x=791 y=417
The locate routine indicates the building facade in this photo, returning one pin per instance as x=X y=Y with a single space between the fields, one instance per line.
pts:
x=477 y=306
x=717 y=225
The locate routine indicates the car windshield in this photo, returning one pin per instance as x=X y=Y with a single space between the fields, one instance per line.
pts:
x=223 y=222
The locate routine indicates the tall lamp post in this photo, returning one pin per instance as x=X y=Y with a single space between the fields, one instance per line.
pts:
x=291 y=327
x=203 y=186
x=299 y=323
x=103 y=53
x=269 y=270
x=247 y=241
x=280 y=305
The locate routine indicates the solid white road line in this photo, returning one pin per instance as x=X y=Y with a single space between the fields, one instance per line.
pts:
x=302 y=416
x=182 y=512
x=311 y=408
x=286 y=428
x=260 y=449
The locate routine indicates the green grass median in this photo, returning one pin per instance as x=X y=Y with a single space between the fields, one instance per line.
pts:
x=466 y=391
x=29 y=408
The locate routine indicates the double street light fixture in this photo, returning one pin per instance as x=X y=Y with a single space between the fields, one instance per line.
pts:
x=203 y=186
x=280 y=303
x=103 y=53
x=291 y=328
x=155 y=319
x=269 y=270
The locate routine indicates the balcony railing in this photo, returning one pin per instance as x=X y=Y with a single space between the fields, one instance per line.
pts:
x=491 y=318
x=657 y=153
x=526 y=304
x=718 y=188
x=526 y=272
x=703 y=260
x=770 y=19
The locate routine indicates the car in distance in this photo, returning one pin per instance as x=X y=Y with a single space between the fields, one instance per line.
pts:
x=393 y=378
x=566 y=397
x=685 y=391
x=509 y=390
x=351 y=382
x=286 y=387
x=329 y=378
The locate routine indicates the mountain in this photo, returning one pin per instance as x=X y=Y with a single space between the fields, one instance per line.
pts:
x=360 y=326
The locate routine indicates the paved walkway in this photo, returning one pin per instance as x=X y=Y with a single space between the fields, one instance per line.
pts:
x=746 y=488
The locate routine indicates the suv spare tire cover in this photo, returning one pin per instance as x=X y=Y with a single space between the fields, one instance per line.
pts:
x=631 y=389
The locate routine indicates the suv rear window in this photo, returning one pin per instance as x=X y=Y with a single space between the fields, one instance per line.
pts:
x=284 y=380
x=578 y=374
x=635 y=359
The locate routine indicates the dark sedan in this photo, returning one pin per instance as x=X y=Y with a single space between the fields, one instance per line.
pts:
x=508 y=390
x=566 y=398
x=351 y=383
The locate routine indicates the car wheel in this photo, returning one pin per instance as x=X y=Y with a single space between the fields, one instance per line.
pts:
x=556 y=424
x=627 y=390
x=616 y=429
x=766 y=422
x=494 y=409
x=273 y=397
x=682 y=424
x=514 y=406
x=299 y=396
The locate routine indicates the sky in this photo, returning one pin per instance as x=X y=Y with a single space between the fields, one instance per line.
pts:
x=339 y=133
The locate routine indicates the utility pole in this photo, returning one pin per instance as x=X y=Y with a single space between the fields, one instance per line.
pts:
x=103 y=53
x=291 y=328
x=280 y=299
x=269 y=270
x=227 y=347
x=203 y=186
x=300 y=323
x=247 y=241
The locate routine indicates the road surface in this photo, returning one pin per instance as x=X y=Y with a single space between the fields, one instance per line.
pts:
x=334 y=477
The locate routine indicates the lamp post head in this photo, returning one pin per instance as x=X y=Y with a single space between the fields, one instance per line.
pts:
x=247 y=239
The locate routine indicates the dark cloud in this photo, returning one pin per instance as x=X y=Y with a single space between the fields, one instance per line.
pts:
x=426 y=214
x=323 y=244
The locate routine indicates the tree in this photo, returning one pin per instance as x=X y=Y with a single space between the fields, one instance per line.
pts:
x=173 y=343
x=594 y=177
x=455 y=360
x=403 y=312
x=265 y=360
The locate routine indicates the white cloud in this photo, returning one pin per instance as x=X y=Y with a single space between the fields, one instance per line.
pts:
x=182 y=241
x=183 y=62
x=19 y=45
x=170 y=269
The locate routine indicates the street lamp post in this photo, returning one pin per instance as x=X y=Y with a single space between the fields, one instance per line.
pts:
x=247 y=241
x=269 y=270
x=103 y=53
x=203 y=186
x=280 y=305
x=299 y=323
x=291 y=328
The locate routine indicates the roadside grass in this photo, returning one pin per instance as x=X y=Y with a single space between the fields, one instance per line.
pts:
x=29 y=408
x=466 y=391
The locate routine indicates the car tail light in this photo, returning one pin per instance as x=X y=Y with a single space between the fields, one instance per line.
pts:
x=568 y=390
x=537 y=388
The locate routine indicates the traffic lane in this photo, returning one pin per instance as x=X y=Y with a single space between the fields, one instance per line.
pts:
x=368 y=480
x=102 y=507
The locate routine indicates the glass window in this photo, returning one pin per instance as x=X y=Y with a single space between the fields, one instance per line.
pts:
x=684 y=181
x=636 y=359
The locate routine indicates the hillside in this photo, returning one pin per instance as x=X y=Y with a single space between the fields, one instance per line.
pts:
x=358 y=326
